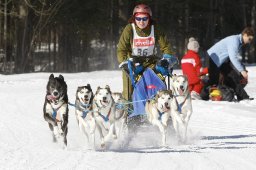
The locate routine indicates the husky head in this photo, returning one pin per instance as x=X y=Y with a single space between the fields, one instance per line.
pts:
x=180 y=85
x=103 y=96
x=118 y=97
x=56 y=89
x=84 y=94
x=163 y=100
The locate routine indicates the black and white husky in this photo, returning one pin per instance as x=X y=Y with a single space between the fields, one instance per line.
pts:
x=56 y=107
x=84 y=113
x=104 y=113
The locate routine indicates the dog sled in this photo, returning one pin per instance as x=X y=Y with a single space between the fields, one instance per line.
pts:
x=145 y=85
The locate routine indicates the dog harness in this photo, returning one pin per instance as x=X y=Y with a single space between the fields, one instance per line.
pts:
x=85 y=114
x=55 y=113
x=105 y=118
x=180 y=104
x=52 y=99
x=160 y=115
x=84 y=111
x=143 y=46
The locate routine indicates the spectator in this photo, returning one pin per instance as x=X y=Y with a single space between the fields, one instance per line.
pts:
x=225 y=60
x=192 y=67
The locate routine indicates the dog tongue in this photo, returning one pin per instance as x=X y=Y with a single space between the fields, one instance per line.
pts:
x=50 y=97
x=181 y=92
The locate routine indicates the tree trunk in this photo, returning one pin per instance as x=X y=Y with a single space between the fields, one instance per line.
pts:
x=187 y=26
x=24 y=60
x=49 y=49
x=253 y=24
x=55 y=48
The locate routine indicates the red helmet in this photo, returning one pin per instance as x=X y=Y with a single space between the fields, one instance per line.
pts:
x=142 y=8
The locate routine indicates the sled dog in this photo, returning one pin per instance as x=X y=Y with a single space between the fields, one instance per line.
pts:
x=84 y=113
x=159 y=110
x=56 y=107
x=121 y=114
x=104 y=113
x=182 y=108
x=120 y=106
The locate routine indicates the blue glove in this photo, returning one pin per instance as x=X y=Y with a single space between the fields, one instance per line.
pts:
x=171 y=59
x=138 y=69
x=163 y=70
x=162 y=67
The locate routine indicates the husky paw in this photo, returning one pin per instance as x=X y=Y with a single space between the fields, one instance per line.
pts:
x=102 y=145
x=56 y=132
x=114 y=136
x=165 y=146
x=91 y=131
x=57 y=135
x=64 y=146
x=59 y=128
x=61 y=132
x=54 y=138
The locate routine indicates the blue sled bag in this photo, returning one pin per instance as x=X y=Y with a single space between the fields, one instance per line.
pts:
x=145 y=88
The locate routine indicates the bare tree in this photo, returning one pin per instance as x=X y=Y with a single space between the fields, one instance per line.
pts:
x=34 y=15
x=253 y=24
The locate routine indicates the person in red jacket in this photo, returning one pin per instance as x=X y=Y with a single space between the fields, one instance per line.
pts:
x=192 y=67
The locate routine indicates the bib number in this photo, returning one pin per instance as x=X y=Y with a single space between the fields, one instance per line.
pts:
x=142 y=52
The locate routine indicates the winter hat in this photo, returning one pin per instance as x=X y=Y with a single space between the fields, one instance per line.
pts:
x=193 y=44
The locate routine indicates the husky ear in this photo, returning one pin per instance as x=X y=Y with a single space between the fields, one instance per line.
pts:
x=89 y=86
x=157 y=94
x=98 y=89
x=61 y=77
x=174 y=77
x=170 y=93
x=108 y=88
x=51 y=77
x=78 y=88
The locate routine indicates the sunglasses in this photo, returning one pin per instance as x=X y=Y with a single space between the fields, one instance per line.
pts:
x=250 y=38
x=143 y=19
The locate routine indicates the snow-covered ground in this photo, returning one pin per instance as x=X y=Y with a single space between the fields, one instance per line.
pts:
x=222 y=135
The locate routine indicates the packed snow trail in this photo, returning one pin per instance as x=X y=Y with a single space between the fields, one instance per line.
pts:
x=222 y=135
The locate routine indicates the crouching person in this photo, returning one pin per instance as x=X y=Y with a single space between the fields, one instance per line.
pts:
x=192 y=67
x=234 y=80
x=224 y=59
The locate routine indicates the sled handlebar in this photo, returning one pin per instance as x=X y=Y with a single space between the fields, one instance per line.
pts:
x=140 y=59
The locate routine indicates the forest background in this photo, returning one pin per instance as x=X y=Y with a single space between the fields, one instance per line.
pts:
x=82 y=35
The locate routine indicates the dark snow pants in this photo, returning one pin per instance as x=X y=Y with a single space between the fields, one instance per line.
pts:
x=227 y=75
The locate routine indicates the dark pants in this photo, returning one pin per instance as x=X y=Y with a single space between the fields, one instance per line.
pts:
x=227 y=75
x=214 y=73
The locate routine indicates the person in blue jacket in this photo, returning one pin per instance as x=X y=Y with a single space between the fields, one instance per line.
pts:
x=225 y=59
